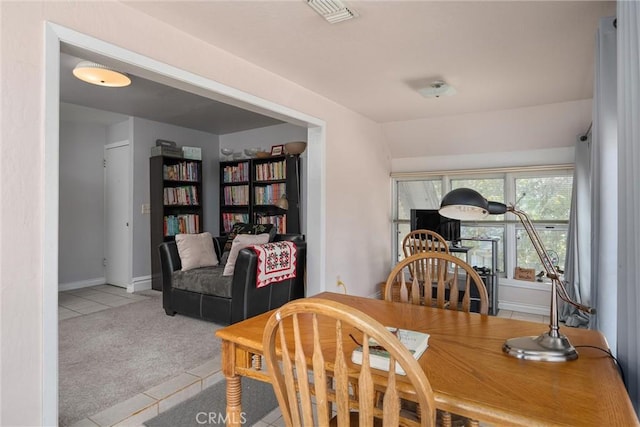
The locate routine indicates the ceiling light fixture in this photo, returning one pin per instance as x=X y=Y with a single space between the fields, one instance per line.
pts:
x=437 y=89
x=100 y=75
x=332 y=10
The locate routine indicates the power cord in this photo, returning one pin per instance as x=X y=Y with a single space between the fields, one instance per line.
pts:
x=604 y=350
x=340 y=283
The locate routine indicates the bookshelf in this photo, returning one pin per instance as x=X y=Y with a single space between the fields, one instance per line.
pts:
x=250 y=188
x=176 y=204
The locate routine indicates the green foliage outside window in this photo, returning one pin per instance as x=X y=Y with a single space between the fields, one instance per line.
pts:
x=545 y=198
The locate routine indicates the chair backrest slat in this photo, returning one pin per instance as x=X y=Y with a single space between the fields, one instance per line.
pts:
x=391 y=400
x=365 y=386
x=320 y=379
x=404 y=292
x=302 y=372
x=291 y=399
x=341 y=379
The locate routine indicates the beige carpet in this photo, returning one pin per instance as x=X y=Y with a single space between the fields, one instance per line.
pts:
x=112 y=355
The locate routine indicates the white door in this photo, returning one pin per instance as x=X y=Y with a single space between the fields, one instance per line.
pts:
x=117 y=214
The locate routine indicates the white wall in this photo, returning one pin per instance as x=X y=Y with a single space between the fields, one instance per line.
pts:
x=356 y=181
x=81 y=229
x=520 y=129
x=120 y=131
x=82 y=219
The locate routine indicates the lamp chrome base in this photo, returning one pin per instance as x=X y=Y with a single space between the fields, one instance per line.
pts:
x=543 y=348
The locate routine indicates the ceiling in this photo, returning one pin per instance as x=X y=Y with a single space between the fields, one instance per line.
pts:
x=150 y=100
x=498 y=55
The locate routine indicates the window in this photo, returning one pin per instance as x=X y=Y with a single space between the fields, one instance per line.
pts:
x=420 y=194
x=547 y=201
x=544 y=195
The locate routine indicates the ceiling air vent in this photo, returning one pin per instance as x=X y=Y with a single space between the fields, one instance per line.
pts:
x=332 y=10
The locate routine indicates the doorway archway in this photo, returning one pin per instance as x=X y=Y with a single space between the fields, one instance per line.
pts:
x=57 y=36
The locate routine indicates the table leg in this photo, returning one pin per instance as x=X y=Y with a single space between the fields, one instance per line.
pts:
x=234 y=401
x=234 y=388
x=256 y=362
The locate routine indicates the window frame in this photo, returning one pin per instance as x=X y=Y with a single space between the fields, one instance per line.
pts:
x=511 y=223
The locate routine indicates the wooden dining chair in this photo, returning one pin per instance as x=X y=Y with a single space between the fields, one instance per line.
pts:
x=418 y=241
x=421 y=240
x=455 y=284
x=437 y=279
x=315 y=366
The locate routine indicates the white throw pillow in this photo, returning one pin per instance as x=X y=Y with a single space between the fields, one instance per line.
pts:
x=196 y=250
x=239 y=242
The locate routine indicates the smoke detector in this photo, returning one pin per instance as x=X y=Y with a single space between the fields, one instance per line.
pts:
x=332 y=10
x=437 y=89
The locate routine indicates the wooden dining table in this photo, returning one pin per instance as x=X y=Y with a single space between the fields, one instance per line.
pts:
x=468 y=371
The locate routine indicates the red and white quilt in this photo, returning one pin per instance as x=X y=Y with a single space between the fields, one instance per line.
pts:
x=276 y=262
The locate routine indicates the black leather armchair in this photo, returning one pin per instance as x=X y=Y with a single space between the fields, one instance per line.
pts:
x=246 y=299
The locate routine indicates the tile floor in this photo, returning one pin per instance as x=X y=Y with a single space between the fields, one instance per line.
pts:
x=77 y=302
x=148 y=404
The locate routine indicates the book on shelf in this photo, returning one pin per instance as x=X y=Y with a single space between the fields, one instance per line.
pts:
x=416 y=342
x=271 y=171
x=184 y=171
x=269 y=194
x=278 y=221
x=186 y=224
x=181 y=196
x=236 y=195
x=236 y=173
x=230 y=218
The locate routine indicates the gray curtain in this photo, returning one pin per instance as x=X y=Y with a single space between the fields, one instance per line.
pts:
x=628 y=321
x=578 y=263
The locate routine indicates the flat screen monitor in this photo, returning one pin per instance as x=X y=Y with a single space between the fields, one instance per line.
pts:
x=430 y=219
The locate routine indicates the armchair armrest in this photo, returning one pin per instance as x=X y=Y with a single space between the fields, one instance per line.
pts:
x=169 y=262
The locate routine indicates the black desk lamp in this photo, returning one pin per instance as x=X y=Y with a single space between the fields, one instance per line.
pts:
x=467 y=205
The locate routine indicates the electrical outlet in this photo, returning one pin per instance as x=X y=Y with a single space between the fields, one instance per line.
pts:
x=146 y=208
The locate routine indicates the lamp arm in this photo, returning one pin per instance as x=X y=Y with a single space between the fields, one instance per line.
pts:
x=547 y=263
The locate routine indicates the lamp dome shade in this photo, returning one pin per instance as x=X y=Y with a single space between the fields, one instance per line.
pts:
x=100 y=75
x=464 y=204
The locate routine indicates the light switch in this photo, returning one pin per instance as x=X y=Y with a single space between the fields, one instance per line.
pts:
x=146 y=208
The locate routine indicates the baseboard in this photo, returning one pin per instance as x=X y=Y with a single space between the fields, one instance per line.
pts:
x=138 y=284
x=81 y=284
